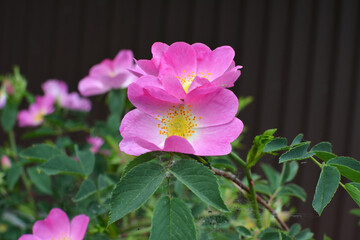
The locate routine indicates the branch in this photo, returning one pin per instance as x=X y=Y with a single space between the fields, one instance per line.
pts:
x=243 y=187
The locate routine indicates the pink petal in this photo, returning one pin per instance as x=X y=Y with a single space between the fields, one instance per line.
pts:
x=198 y=82
x=55 y=88
x=157 y=50
x=78 y=227
x=29 y=237
x=55 y=224
x=101 y=69
x=148 y=67
x=150 y=100
x=173 y=86
x=215 y=141
x=179 y=59
x=178 y=144
x=136 y=146
x=90 y=86
x=215 y=106
x=216 y=62
x=228 y=78
x=149 y=81
x=141 y=125
x=124 y=59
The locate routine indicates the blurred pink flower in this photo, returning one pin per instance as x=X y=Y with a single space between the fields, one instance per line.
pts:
x=34 y=116
x=57 y=226
x=3 y=98
x=96 y=143
x=204 y=123
x=59 y=91
x=181 y=67
x=109 y=74
x=5 y=162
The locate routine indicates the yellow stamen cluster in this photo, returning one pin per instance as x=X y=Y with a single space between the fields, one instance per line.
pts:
x=186 y=79
x=39 y=117
x=178 y=121
x=62 y=236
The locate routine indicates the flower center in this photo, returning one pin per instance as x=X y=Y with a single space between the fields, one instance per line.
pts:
x=178 y=121
x=62 y=236
x=187 y=79
x=39 y=117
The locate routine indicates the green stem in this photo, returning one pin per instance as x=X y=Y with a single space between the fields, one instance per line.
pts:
x=316 y=162
x=237 y=159
x=24 y=178
x=253 y=199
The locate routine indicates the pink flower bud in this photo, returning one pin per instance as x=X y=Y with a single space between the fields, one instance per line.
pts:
x=5 y=162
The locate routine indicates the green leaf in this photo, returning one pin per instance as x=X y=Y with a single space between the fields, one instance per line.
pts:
x=289 y=171
x=139 y=160
x=40 y=132
x=275 y=236
x=326 y=187
x=326 y=237
x=40 y=152
x=257 y=149
x=355 y=212
x=135 y=188
x=297 y=153
x=272 y=175
x=87 y=160
x=13 y=175
x=244 y=102
x=116 y=101
x=87 y=189
x=172 y=220
x=323 y=151
x=277 y=144
x=200 y=180
x=304 y=235
x=8 y=116
x=294 y=229
x=223 y=163
x=40 y=180
x=62 y=165
x=297 y=139
x=243 y=231
x=354 y=191
x=347 y=166
x=293 y=190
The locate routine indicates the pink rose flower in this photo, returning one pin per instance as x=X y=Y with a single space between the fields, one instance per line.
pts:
x=96 y=143
x=5 y=162
x=56 y=226
x=59 y=91
x=181 y=67
x=203 y=123
x=109 y=74
x=34 y=116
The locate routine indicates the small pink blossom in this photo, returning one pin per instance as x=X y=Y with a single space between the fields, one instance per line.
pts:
x=204 y=123
x=34 y=116
x=3 y=99
x=57 y=227
x=5 y=162
x=180 y=68
x=59 y=91
x=109 y=74
x=96 y=143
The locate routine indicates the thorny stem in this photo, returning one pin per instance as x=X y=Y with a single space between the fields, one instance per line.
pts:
x=242 y=187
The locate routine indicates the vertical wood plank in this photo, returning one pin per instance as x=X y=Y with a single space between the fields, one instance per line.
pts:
x=177 y=19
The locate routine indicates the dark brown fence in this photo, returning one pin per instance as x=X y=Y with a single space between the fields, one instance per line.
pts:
x=300 y=57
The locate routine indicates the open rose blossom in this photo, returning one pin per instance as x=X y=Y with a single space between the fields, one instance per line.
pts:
x=96 y=143
x=59 y=91
x=204 y=123
x=109 y=74
x=182 y=67
x=57 y=227
x=34 y=116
